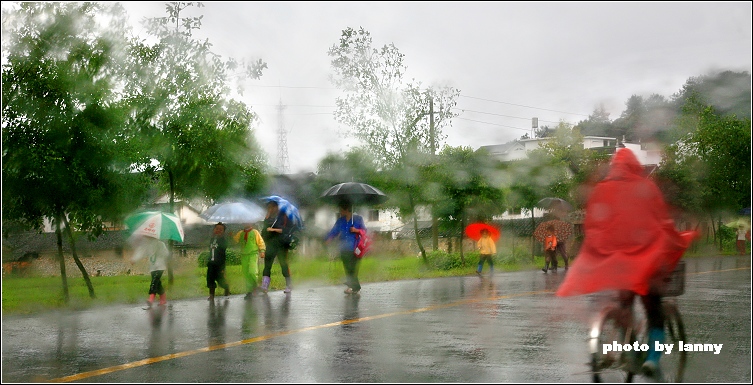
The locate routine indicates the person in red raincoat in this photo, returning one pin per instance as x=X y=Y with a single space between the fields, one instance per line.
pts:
x=630 y=244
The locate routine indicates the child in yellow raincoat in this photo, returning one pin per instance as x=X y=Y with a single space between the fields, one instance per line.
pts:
x=487 y=249
x=252 y=248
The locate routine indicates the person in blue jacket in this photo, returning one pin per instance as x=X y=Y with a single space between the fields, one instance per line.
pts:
x=346 y=229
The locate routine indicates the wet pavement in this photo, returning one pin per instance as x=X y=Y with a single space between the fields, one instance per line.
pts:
x=506 y=328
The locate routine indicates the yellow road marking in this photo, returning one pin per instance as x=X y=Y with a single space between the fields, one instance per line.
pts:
x=148 y=361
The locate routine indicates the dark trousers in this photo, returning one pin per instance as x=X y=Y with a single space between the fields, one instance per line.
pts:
x=279 y=252
x=216 y=276
x=741 y=246
x=481 y=259
x=155 y=287
x=550 y=257
x=560 y=249
x=651 y=303
x=350 y=263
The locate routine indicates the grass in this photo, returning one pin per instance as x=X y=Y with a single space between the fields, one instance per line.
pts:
x=32 y=295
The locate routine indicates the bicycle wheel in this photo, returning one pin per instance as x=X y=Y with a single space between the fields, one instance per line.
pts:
x=673 y=364
x=610 y=366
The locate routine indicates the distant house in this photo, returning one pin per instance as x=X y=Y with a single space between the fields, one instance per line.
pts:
x=648 y=154
x=514 y=150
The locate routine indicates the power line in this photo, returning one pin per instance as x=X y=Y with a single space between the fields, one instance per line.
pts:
x=520 y=105
x=303 y=87
x=494 y=124
x=506 y=116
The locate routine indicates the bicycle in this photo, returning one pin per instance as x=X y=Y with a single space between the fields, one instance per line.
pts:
x=616 y=325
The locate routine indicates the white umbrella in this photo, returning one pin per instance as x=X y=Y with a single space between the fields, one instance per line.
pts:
x=236 y=211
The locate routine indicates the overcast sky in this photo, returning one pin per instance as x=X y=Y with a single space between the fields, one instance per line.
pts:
x=511 y=61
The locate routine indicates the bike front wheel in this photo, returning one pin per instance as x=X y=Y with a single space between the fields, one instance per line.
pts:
x=611 y=365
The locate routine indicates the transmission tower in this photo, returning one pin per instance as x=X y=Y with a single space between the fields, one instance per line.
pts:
x=283 y=166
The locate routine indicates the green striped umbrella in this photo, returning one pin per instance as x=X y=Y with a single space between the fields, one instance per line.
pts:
x=156 y=224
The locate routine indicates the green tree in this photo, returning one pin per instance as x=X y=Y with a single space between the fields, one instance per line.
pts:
x=393 y=120
x=727 y=91
x=597 y=124
x=63 y=155
x=468 y=188
x=197 y=140
x=723 y=145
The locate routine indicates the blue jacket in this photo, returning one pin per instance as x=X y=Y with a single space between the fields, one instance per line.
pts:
x=341 y=229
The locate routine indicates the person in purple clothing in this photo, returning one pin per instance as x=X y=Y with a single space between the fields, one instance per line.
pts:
x=346 y=229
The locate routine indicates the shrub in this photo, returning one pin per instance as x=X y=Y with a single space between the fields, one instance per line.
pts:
x=232 y=258
x=442 y=260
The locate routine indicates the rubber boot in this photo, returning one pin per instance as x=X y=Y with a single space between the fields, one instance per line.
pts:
x=265 y=284
x=150 y=301
x=211 y=294
x=479 y=268
x=546 y=267
x=163 y=299
x=227 y=290
x=651 y=365
x=288 y=285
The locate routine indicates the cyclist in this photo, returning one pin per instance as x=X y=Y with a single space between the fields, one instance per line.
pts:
x=630 y=245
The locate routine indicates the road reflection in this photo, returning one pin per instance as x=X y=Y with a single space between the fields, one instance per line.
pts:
x=216 y=321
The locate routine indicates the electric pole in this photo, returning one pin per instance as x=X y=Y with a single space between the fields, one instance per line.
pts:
x=434 y=221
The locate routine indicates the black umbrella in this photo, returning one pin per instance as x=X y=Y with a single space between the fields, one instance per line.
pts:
x=354 y=193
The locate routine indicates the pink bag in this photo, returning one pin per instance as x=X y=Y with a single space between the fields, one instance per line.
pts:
x=363 y=244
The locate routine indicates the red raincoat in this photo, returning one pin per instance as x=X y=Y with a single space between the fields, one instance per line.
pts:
x=630 y=240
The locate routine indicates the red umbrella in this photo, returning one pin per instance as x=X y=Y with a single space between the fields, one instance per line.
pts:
x=563 y=230
x=473 y=231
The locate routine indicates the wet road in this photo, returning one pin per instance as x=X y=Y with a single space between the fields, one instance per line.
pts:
x=509 y=328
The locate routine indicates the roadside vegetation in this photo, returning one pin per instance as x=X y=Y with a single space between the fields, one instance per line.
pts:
x=142 y=122
x=24 y=295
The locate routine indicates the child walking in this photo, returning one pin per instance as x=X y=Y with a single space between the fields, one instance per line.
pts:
x=252 y=248
x=550 y=249
x=158 y=255
x=487 y=249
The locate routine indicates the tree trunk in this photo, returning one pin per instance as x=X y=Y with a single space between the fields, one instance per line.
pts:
x=415 y=229
x=78 y=261
x=434 y=232
x=170 y=243
x=61 y=258
x=721 y=240
x=462 y=226
x=533 y=240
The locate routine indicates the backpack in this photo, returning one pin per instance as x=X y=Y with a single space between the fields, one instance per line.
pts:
x=290 y=234
x=363 y=244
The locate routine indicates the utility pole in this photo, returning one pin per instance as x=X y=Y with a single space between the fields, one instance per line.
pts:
x=434 y=221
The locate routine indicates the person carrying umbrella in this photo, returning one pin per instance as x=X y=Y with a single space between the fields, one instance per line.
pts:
x=275 y=223
x=157 y=254
x=216 y=262
x=252 y=248
x=346 y=229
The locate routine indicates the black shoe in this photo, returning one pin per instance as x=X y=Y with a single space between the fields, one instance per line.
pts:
x=544 y=270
